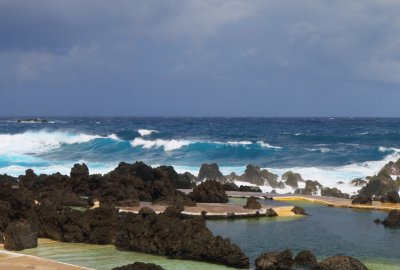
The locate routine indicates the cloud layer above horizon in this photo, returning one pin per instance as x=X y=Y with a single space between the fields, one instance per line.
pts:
x=200 y=57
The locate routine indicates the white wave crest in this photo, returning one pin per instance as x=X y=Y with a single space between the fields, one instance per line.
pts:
x=267 y=145
x=168 y=145
x=146 y=132
x=238 y=143
x=41 y=141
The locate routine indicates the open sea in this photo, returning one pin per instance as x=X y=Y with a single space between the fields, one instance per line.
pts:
x=325 y=149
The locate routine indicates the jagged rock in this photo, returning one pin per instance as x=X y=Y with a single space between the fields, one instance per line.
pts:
x=362 y=199
x=271 y=213
x=19 y=236
x=311 y=188
x=211 y=172
x=209 y=191
x=392 y=168
x=305 y=258
x=334 y=192
x=252 y=203
x=79 y=171
x=291 y=179
x=232 y=177
x=358 y=182
x=391 y=197
x=179 y=181
x=379 y=185
x=340 y=262
x=274 y=260
x=176 y=238
x=231 y=187
x=393 y=219
x=253 y=174
x=299 y=210
x=249 y=189
x=139 y=266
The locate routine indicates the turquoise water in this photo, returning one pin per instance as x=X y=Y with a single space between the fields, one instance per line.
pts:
x=327 y=231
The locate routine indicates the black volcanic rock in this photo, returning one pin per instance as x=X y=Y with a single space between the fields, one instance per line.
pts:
x=175 y=238
x=274 y=260
x=311 y=188
x=340 y=262
x=379 y=185
x=271 y=213
x=362 y=199
x=252 y=203
x=79 y=171
x=19 y=236
x=299 y=210
x=230 y=187
x=249 y=189
x=139 y=266
x=209 y=191
x=393 y=219
x=391 y=197
x=253 y=174
x=291 y=179
x=392 y=168
x=210 y=172
x=305 y=258
x=358 y=182
x=333 y=192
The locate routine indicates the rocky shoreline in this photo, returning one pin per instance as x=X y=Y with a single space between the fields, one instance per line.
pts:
x=60 y=208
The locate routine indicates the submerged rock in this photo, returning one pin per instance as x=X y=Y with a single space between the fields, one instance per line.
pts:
x=140 y=266
x=209 y=191
x=362 y=199
x=210 y=171
x=393 y=219
x=19 y=236
x=252 y=203
x=340 y=262
x=274 y=260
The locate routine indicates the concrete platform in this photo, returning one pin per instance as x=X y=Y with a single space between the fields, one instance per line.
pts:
x=216 y=210
x=16 y=261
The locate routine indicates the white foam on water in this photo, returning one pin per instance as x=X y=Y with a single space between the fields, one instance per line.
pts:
x=146 y=132
x=41 y=141
x=168 y=145
x=267 y=145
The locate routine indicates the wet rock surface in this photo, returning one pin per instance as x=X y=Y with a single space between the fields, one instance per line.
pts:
x=362 y=199
x=341 y=263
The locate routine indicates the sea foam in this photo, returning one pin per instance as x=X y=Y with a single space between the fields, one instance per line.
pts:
x=146 y=132
x=42 y=141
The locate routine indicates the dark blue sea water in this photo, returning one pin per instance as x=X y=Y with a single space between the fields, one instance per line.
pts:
x=325 y=149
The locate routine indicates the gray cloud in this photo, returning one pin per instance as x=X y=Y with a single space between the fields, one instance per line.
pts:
x=302 y=57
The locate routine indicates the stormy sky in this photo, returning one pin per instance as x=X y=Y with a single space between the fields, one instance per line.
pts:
x=200 y=58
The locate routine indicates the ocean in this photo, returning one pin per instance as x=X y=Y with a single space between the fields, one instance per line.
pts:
x=328 y=150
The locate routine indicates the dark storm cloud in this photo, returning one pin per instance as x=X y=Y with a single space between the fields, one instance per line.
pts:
x=205 y=57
